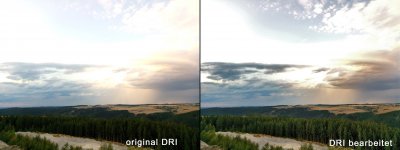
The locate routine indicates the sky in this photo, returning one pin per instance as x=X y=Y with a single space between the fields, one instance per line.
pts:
x=294 y=52
x=73 y=52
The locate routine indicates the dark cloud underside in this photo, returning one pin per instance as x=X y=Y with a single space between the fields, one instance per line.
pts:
x=234 y=71
x=34 y=71
x=380 y=70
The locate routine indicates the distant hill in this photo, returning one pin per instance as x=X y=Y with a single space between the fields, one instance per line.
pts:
x=384 y=113
x=183 y=113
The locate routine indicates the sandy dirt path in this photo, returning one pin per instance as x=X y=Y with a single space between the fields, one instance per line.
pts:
x=205 y=146
x=262 y=139
x=4 y=146
x=61 y=140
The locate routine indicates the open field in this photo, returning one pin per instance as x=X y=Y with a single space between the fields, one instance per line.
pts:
x=345 y=109
x=156 y=108
x=356 y=108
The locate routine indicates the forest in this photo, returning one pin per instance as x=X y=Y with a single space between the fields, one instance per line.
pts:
x=189 y=118
x=116 y=130
x=389 y=118
x=312 y=129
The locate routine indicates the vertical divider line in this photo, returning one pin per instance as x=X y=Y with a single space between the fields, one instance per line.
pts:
x=199 y=74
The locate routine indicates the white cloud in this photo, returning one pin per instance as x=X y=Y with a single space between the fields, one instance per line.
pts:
x=318 y=8
x=175 y=17
x=376 y=25
x=377 y=16
x=307 y=4
x=112 y=8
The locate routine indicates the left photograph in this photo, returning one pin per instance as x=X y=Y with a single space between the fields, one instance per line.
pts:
x=99 y=74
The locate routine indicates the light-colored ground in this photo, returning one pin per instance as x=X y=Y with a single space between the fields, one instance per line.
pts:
x=205 y=146
x=142 y=109
x=158 y=108
x=4 y=146
x=181 y=109
x=342 y=109
x=85 y=143
x=381 y=109
x=148 y=108
x=286 y=106
x=202 y=144
x=286 y=143
x=349 y=108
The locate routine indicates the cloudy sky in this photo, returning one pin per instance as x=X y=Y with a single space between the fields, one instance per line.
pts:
x=70 y=52
x=273 y=52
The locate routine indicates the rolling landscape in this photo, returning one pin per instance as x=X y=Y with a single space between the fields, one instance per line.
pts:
x=388 y=113
x=98 y=126
x=182 y=113
x=292 y=126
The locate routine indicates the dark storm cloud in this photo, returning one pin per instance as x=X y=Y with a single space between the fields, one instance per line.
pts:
x=320 y=70
x=234 y=71
x=42 y=84
x=34 y=71
x=173 y=75
x=48 y=90
x=241 y=86
x=380 y=70
x=168 y=80
x=255 y=92
x=246 y=89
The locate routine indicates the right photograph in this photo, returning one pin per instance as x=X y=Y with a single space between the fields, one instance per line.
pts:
x=300 y=75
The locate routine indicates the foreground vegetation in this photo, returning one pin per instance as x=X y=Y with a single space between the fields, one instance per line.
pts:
x=38 y=143
x=24 y=142
x=318 y=130
x=117 y=130
x=226 y=142
x=209 y=136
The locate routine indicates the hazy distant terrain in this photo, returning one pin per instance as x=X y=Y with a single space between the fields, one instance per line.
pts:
x=385 y=113
x=184 y=113
x=88 y=110
x=149 y=108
